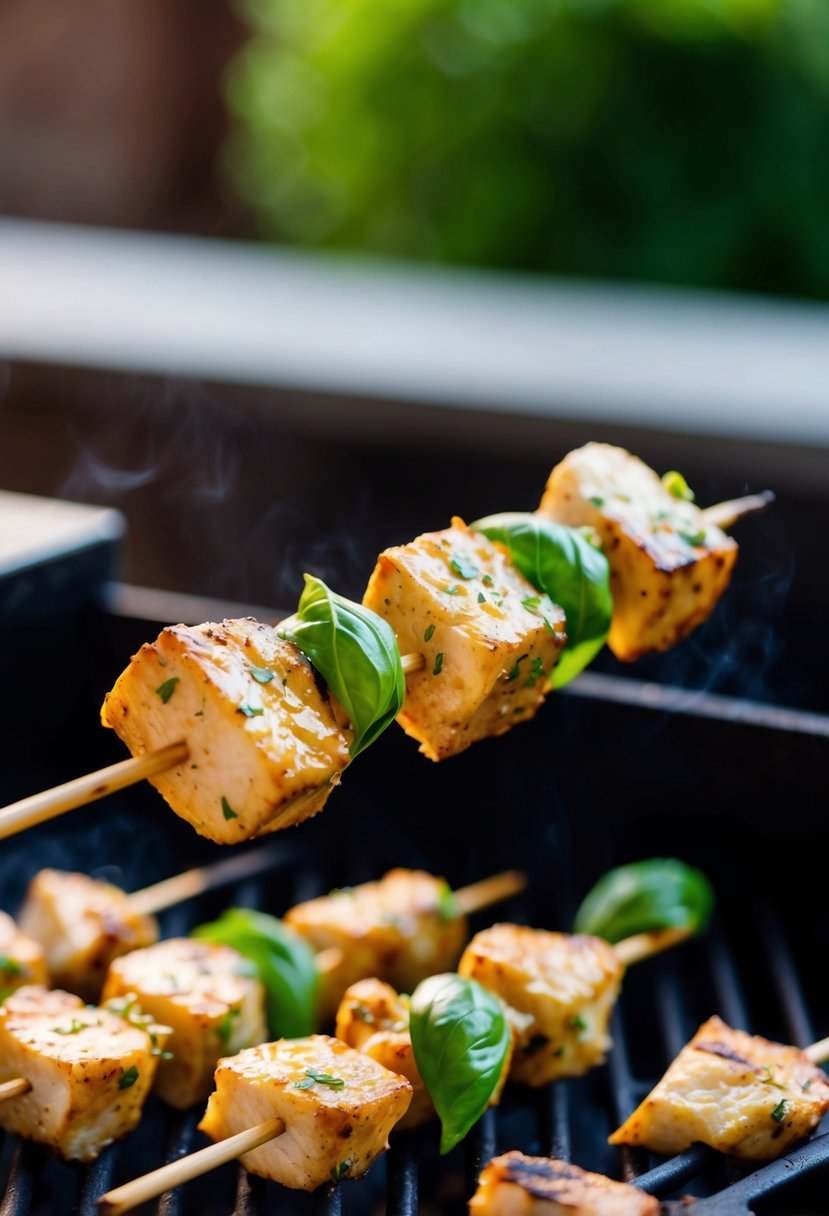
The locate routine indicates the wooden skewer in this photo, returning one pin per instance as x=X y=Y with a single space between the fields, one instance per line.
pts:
x=818 y=1053
x=50 y=803
x=14 y=1088
x=489 y=891
x=643 y=945
x=128 y=1196
x=724 y=514
x=180 y=887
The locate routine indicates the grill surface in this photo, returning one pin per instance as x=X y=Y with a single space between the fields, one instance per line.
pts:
x=589 y=784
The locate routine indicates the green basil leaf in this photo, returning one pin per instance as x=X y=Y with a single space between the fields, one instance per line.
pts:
x=356 y=653
x=283 y=961
x=460 y=1039
x=661 y=893
x=575 y=575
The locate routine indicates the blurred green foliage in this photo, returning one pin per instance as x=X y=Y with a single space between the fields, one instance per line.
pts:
x=669 y=140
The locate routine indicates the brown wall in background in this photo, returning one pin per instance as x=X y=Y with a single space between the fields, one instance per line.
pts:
x=111 y=113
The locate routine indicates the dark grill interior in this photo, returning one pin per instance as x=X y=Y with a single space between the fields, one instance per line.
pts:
x=590 y=783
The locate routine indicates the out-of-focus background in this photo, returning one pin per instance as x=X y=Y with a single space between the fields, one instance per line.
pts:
x=285 y=281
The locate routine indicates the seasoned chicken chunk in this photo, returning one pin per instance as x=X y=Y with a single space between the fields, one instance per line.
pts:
x=400 y=928
x=207 y=996
x=668 y=567
x=22 y=960
x=488 y=638
x=266 y=746
x=736 y=1092
x=82 y=924
x=89 y=1071
x=516 y=1185
x=373 y=1018
x=561 y=989
x=338 y=1106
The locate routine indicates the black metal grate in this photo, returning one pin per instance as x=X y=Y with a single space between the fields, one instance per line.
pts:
x=660 y=1007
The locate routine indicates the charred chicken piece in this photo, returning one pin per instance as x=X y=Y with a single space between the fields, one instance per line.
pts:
x=82 y=924
x=207 y=996
x=489 y=639
x=517 y=1185
x=736 y=1092
x=22 y=960
x=266 y=745
x=400 y=928
x=338 y=1106
x=560 y=990
x=668 y=567
x=373 y=1018
x=89 y=1070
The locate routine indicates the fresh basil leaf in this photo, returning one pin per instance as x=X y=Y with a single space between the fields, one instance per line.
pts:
x=660 y=893
x=460 y=1039
x=575 y=575
x=356 y=653
x=284 y=962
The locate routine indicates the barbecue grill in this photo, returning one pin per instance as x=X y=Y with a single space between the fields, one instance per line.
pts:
x=614 y=770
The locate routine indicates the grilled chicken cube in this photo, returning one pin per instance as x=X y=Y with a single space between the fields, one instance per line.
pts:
x=89 y=1070
x=736 y=1092
x=82 y=924
x=373 y=1018
x=400 y=928
x=668 y=567
x=488 y=638
x=207 y=996
x=266 y=746
x=338 y=1106
x=516 y=1185
x=22 y=960
x=561 y=989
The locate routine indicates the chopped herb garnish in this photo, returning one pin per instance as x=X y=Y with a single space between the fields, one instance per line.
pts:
x=806 y=1085
x=74 y=1027
x=166 y=690
x=768 y=1078
x=313 y=1077
x=339 y=1171
x=227 y=809
x=677 y=486
x=430 y=629
x=262 y=675
x=597 y=502
x=447 y=903
x=481 y=597
x=225 y=1028
x=559 y=1052
x=199 y=713
x=453 y=589
x=464 y=567
x=531 y=603
x=250 y=711
x=693 y=538
x=536 y=672
x=516 y=670
x=487 y=580
x=10 y=966
x=780 y=1110
x=436 y=670
x=363 y=1013
x=498 y=600
x=129 y=1078
x=578 y=1023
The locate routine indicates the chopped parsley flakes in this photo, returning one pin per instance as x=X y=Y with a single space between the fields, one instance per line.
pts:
x=227 y=809
x=166 y=690
x=314 y=1077
x=129 y=1078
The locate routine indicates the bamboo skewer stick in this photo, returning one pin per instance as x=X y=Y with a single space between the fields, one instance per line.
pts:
x=489 y=891
x=187 y=885
x=818 y=1053
x=62 y=798
x=724 y=514
x=128 y=1196
x=14 y=1088
x=644 y=945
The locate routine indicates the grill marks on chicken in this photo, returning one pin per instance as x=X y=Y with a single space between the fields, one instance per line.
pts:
x=560 y=990
x=266 y=745
x=89 y=1070
x=400 y=929
x=207 y=996
x=454 y=597
x=82 y=925
x=517 y=1185
x=22 y=959
x=338 y=1106
x=738 y=1093
x=668 y=566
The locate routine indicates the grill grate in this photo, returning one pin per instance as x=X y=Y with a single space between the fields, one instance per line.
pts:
x=551 y=1121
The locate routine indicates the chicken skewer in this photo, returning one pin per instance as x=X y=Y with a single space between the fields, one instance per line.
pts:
x=488 y=644
x=542 y=1186
x=333 y=1106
